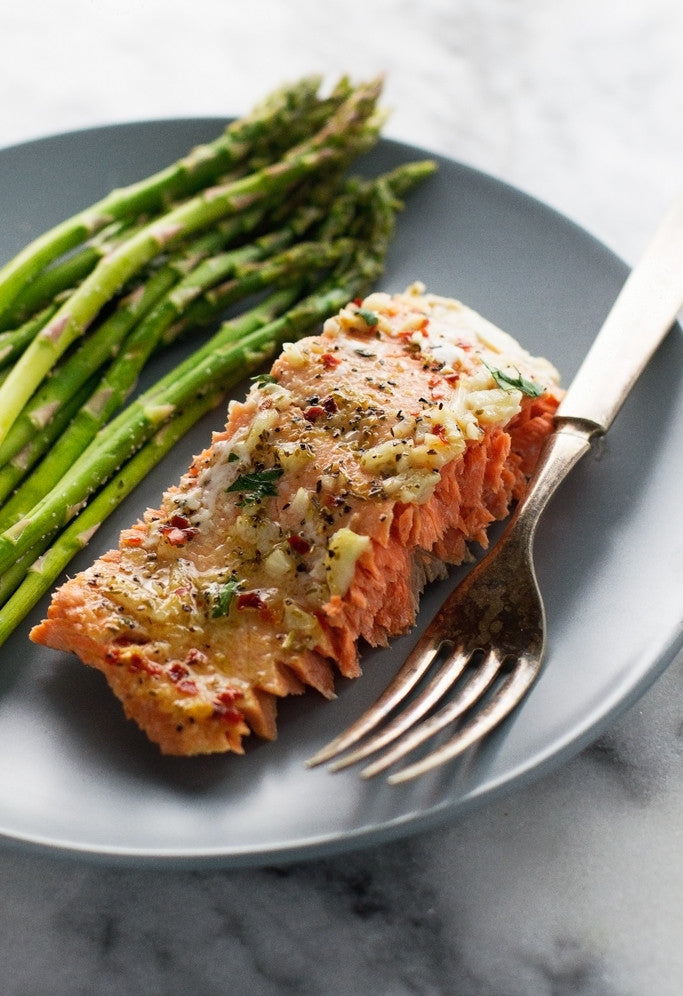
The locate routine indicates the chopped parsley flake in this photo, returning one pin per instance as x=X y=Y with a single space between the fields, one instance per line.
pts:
x=262 y=379
x=369 y=317
x=519 y=383
x=224 y=598
x=254 y=487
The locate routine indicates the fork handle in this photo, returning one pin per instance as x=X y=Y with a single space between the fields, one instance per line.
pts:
x=639 y=319
x=562 y=450
x=641 y=316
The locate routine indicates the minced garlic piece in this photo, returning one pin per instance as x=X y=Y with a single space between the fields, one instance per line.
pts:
x=495 y=406
x=294 y=354
x=343 y=550
x=292 y=457
x=303 y=629
x=278 y=563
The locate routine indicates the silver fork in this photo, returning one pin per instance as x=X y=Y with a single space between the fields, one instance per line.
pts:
x=489 y=636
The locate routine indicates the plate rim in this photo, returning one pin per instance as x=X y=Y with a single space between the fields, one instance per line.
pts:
x=325 y=844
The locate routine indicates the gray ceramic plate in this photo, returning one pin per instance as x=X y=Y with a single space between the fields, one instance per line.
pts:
x=76 y=777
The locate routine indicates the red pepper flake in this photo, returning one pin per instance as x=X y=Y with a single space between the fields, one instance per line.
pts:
x=178 y=530
x=229 y=714
x=133 y=539
x=229 y=696
x=250 y=600
x=224 y=708
x=298 y=543
x=329 y=360
x=177 y=671
x=452 y=378
x=136 y=663
x=187 y=686
x=440 y=431
x=327 y=407
x=176 y=537
x=313 y=413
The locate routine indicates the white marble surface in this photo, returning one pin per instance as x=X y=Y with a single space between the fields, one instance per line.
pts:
x=574 y=884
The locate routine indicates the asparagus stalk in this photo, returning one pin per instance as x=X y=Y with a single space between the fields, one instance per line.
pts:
x=14 y=341
x=105 y=342
x=62 y=276
x=15 y=471
x=92 y=354
x=14 y=575
x=49 y=285
x=251 y=276
x=202 y=165
x=338 y=140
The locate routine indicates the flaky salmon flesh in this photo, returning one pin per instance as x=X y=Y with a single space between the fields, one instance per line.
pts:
x=368 y=460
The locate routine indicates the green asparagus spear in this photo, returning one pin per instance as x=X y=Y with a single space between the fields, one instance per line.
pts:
x=14 y=341
x=202 y=166
x=105 y=342
x=40 y=441
x=336 y=140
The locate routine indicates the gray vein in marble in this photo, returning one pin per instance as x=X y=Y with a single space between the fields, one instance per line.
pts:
x=633 y=754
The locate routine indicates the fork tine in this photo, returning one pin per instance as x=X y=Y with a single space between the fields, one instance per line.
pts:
x=417 y=662
x=446 y=676
x=516 y=685
x=473 y=689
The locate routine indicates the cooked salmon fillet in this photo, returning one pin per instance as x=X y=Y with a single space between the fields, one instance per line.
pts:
x=367 y=461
